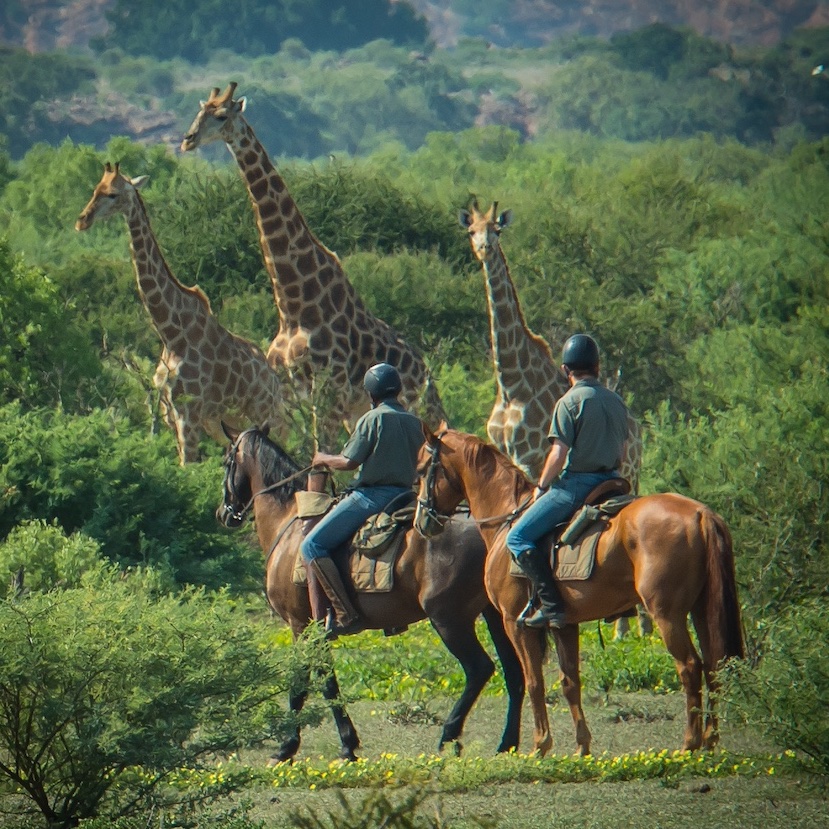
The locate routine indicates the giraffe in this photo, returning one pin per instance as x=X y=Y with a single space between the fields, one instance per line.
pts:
x=206 y=373
x=529 y=380
x=326 y=334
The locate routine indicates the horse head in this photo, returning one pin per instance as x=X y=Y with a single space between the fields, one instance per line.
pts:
x=439 y=494
x=237 y=487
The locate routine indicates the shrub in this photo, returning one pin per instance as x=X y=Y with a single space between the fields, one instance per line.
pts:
x=105 y=690
x=786 y=693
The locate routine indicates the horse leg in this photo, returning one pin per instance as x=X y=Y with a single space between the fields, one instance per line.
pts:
x=349 y=741
x=674 y=630
x=513 y=678
x=530 y=646
x=711 y=731
x=462 y=642
x=290 y=746
x=567 y=648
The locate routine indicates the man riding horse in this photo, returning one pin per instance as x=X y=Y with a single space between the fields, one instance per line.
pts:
x=588 y=435
x=384 y=445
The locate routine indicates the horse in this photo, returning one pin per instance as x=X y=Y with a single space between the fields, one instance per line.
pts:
x=442 y=581
x=670 y=552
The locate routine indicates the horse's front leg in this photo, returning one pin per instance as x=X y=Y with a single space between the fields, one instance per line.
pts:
x=567 y=648
x=530 y=645
x=349 y=741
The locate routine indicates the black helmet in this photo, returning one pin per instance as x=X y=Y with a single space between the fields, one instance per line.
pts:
x=580 y=352
x=381 y=381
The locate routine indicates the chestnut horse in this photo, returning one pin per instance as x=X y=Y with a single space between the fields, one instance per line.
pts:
x=669 y=552
x=442 y=581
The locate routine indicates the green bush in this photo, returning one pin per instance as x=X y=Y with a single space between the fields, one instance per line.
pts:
x=785 y=692
x=105 y=690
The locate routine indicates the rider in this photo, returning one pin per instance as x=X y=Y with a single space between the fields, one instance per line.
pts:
x=385 y=445
x=588 y=435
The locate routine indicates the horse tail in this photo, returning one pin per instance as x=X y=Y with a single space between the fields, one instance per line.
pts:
x=722 y=607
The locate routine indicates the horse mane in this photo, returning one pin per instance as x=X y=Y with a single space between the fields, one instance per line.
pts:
x=275 y=464
x=494 y=466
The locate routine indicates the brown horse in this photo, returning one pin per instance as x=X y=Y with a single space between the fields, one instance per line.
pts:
x=669 y=552
x=442 y=581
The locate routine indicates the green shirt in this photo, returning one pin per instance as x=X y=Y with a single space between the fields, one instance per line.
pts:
x=592 y=421
x=386 y=441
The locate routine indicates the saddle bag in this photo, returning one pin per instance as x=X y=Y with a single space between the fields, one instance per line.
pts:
x=379 y=532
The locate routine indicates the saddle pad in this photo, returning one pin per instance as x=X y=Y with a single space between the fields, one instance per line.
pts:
x=575 y=563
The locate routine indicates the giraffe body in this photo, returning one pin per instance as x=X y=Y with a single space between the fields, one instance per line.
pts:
x=327 y=338
x=206 y=374
x=529 y=382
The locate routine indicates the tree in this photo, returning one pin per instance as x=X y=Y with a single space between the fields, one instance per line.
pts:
x=106 y=689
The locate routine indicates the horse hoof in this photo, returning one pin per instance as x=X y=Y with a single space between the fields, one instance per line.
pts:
x=278 y=760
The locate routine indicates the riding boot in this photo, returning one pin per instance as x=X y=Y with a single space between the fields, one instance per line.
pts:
x=345 y=618
x=550 y=614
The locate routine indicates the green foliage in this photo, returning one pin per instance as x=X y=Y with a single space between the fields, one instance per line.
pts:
x=101 y=476
x=106 y=689
x=785 y=693
x=45 y=357
x=193 y=32
x=43 y=557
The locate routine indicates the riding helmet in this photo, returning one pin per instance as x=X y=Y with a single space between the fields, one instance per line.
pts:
x=381 y=381
x=580 y=352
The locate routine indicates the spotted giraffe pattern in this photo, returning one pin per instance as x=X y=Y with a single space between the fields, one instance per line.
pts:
x=206 y=374
x=324 y=328
x=529 y=382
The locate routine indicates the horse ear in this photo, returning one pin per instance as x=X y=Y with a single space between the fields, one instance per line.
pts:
x=427 y=433
x=265 y=428
x=230 y=433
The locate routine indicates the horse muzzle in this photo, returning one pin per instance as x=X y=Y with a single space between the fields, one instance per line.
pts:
x=229 y=517
x=428 y=522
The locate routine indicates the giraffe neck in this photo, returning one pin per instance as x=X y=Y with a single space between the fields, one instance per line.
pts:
x=171 y=306
x=296 y=261
x=520 y=356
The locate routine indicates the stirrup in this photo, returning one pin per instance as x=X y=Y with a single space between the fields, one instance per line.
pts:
x=333 y=629
x=529 y=610
x=541 y=620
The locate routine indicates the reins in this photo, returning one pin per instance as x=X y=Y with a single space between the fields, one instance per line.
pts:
x=440 y=518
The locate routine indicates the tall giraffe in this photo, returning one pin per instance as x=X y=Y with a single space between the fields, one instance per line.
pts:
x=325 y=330
x=206 y=373
x=529 y=380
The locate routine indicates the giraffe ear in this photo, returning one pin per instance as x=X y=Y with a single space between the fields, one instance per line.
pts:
x=504 y=219
x=139 y=181
x=243 y=103
x=464 y=218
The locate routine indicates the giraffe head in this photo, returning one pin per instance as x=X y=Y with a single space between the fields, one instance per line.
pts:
x=484 y=228
x=113 y=194
x=214 y=121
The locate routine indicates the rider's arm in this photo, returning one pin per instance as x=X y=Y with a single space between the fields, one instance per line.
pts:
x=556 y=458
x=334 y=461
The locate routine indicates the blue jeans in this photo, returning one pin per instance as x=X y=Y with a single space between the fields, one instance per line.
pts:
x=558 y=504
x=340 y=524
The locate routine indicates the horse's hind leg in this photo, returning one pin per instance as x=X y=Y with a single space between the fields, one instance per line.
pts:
x=674 y=630
x=349 y=741
x=513 y=678
x=711 y=731
x=462 y=641
x=567 y=648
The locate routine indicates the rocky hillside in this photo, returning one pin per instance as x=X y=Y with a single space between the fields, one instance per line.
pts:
x=43 y=25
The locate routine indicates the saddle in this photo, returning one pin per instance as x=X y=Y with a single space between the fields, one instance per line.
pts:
x=572 y=544
x=369 y=557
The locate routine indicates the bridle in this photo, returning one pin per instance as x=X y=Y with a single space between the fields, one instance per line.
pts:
x=230 y=465
x=434 y=519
